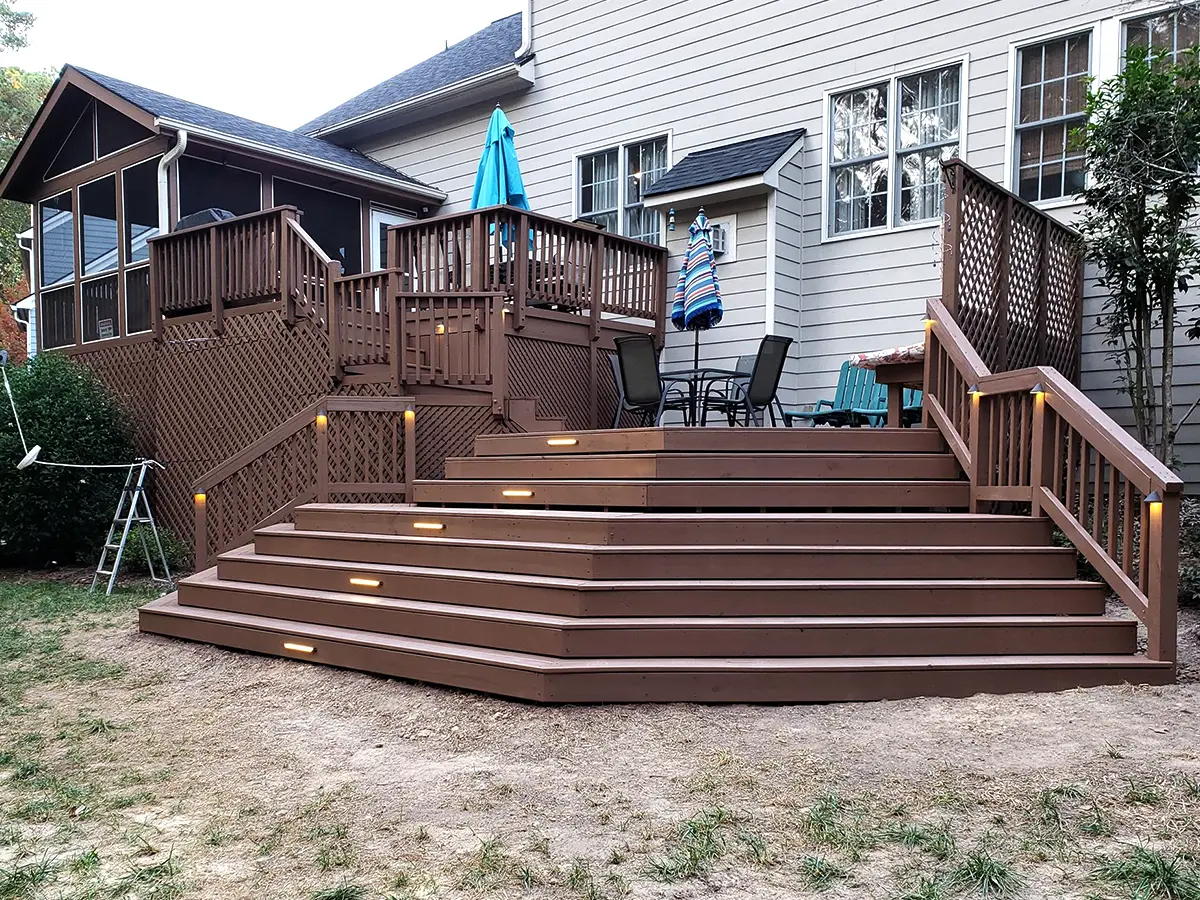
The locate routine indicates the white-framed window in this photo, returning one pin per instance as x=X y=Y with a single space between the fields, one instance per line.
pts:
x=610 y=183
x=1051 y=100
x=887 y=140
x=1163 y=34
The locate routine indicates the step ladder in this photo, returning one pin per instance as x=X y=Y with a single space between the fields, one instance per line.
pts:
x=132 y=509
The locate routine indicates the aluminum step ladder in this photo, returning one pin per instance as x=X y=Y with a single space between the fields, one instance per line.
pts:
x=132 y=509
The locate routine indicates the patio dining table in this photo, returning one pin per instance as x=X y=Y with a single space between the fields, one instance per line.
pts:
x=698 y=378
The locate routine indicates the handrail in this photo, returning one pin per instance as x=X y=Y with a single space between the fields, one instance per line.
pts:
x=1031 y=436
x=299 y=462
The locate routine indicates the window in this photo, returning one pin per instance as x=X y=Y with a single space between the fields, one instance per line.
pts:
x=57 y=244
x=1051 y=100
x=880 y=174
x=140 y=187
x=207 y=185
x=611 y=185
x=1166 y=34
x=98 y=225
x=100 y=309
x=99 y=131
x=334 y=221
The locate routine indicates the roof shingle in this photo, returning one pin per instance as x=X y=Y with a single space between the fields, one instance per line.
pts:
x=186 y=113
x=725 y=163
x=483 y=51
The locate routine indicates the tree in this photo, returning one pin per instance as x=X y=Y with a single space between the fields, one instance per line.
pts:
x=21 y=94
x=1142 y=141
x=14 y=27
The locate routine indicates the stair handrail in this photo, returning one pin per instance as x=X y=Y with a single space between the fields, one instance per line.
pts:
x=1030 y=435
x=304 y=490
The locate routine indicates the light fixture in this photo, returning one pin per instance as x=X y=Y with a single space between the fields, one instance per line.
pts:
x=200 y=498
x=974 y=391
x=441 y=329
x=562 y=442
x=1153 y=499
x=410 y=415
x=299 y=648
x=517 y=493
x=322 y=419
x=29 y=458
x=428 y=526
x=1037 y=389
x=365 y=582
x=928 y=322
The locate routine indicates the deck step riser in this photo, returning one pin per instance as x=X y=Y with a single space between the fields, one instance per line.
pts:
x=643 y=563
x=728 y=495
x=777 y=466
x=697 y=599
x=718 y=683
x=716 y=440
x=719 y=530
x=642 y=638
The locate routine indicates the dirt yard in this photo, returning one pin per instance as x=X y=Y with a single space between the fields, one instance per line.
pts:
x=136 y=766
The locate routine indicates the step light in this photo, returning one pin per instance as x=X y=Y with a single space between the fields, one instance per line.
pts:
x=299 y=648
x=517 y=493
x=365 y=582
x=428 y=526
x=562 y=442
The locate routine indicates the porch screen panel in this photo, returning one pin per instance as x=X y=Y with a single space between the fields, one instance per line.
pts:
x=79 y=148
x=137 y=300
x=140 y=206
x=334 y=221
x=57 y=244
x=99 y=297
x=205 y=185
x=98 y=225
x=115 y=131
x=57 y=320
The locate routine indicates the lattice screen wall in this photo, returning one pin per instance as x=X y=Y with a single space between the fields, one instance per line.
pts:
x=553 y=373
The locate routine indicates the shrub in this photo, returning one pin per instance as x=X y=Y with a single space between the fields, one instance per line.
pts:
x=1189 y=552
x=53 y=515
x=179 y=554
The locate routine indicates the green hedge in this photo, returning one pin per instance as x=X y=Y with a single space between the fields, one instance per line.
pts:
x=50 y=515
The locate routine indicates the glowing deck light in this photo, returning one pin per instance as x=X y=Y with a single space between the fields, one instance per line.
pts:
x=322 y=419
x=200 y=499
x=562 y=442
x=299 y=648
x=365 y=582
x=516 y=493
x=428 y=526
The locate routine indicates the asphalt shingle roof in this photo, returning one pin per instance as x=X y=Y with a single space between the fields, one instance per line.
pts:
x=482 y=52
x=168 y=107
x=740 y=160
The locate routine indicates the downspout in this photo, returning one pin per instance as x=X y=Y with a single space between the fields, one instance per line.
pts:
x=526 y=32
x=164 y=166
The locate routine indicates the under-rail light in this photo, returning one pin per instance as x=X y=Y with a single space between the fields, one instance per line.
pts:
x=428 y=526
x=974 y=391
x=1153 y=499
x=562 y=442
x=517 y=493
x=1037 y=389
x=365 y=582
x=299 y=648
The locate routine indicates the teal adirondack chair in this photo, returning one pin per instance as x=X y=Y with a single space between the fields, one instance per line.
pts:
x=876 y=413
x=856 y=390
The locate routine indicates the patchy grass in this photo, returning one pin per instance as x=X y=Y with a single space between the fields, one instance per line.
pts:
x=818 y=874
x=936 y=840
x=698 y=843
x=1150 y=875
x=979 y=872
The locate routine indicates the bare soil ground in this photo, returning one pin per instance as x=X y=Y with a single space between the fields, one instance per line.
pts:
x=136 y=766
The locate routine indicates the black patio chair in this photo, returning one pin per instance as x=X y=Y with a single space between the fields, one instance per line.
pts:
x=640 y=387
x=734 y=397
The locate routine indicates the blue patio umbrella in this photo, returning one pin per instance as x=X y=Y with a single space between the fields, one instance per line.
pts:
x=498 y=181
x=697 y=305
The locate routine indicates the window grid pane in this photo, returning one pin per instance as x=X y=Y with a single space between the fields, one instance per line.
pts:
x=860 y=124
x=1052 y=90
x=57 y=242
x=1165 y=35
x=922 y=191
x=598 y=185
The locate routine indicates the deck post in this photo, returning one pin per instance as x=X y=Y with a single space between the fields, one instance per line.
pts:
x=214 y=282
x=322 y=455
x=597 y=284
x=156 y=277
x=1003 y=287
x=1162 y=587
x=395 y=311
x=334 y=311
x=523 y=259
x=953 y=175
x=498 y=352
x=410 y=449
x=1041 y=462
x=660 y=311
x=977 y=444
x=200 y=506
x=284 y=232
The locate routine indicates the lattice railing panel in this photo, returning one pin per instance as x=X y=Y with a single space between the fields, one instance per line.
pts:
x=446 y=431
x=555 y=374
x=366 y=447
x=1012 y=276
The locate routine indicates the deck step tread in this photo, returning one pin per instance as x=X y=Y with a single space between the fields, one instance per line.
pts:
x=248 y=552
x=210 y=579
x=169 y=606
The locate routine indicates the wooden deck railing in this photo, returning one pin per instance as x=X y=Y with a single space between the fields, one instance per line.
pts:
x=358 y=318
x=1031 y=436
x=1012 y=276
x=346 y=447
x=535 y=260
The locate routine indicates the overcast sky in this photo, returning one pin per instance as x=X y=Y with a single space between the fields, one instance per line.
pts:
x=277 y=62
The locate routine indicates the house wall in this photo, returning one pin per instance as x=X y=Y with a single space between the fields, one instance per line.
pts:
x=741 y=68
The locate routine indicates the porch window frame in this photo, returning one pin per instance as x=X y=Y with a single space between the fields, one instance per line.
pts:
x=621 y=146
x=96 y=156
x=128 y=266
x=892 y=77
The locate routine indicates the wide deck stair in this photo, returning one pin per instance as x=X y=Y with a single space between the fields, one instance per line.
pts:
x=739 y=565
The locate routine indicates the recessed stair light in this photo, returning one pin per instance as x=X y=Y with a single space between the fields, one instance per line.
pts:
x=516 y=493
x=428 y=526
x=562 y=442
x=299 y=648
x=365 y=582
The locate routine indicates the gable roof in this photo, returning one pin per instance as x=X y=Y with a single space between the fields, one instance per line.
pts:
x=742 y=159
x=183 y=113
x=494 y=47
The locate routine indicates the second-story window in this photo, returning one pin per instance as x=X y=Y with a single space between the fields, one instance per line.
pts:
x=1166 y=34
x=611 y=183
x=1051 y=104
x=887 y=142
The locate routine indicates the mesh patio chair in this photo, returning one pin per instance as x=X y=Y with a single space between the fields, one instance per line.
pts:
x=640 y=387
x=748 y=397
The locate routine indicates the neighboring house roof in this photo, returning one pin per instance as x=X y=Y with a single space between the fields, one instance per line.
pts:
x=184 y=113
x=728 y=162
x=493 y=48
